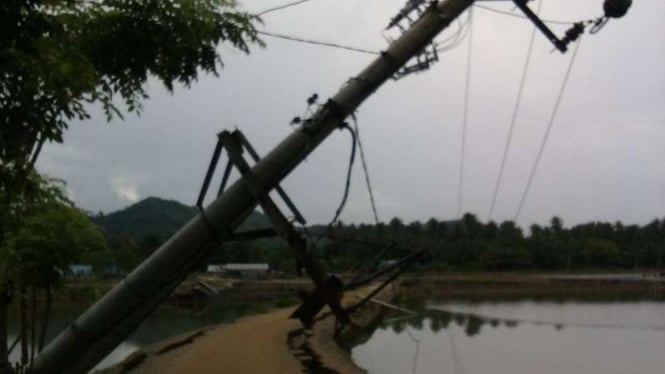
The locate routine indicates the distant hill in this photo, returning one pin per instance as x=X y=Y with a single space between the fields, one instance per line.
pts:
x=160 y=217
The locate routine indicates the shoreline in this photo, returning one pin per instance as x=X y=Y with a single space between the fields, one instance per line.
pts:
x=271 y=343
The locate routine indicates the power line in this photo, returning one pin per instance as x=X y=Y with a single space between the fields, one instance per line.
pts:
x=280 y=7
x=516 y=15
x=317 y=42
x=457 y=357
x=457 y=38
x=347 y=184
x=549 y=128
x=465 y=116
x=514 y=118
x=365 y=169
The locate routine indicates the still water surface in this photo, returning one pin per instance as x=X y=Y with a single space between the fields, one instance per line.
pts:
x=514 y=337
x=162 y=324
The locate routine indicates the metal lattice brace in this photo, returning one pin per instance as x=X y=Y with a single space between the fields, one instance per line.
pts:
x=328 y=289
x=407 y=16
x=396 y=269
x=227 y=172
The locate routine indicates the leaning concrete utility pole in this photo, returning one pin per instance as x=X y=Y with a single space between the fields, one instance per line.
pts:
x=112 y=318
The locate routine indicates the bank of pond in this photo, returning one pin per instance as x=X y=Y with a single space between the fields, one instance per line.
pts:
x=467 y=324
x=593 y=333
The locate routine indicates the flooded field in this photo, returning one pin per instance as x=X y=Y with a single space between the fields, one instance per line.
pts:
x=521 y=336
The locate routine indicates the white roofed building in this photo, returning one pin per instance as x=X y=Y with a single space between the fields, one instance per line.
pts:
x=251 y=270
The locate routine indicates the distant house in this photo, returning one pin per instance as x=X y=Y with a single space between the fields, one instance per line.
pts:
x=111 y=271
x=387 y=263
x=256 y=270
x=214 y=269
x=80 y=270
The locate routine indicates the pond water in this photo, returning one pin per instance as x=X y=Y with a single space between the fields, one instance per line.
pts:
x=521 y=336
x=162 y=324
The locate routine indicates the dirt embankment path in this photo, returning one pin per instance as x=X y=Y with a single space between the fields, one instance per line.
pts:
x=256 y=344
x=265 y=343
x=273 y=343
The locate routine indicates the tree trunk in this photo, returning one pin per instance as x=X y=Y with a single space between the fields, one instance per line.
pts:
x=5 y=298
x=33 y=324
x=23 y=311
x=47 y=315
x=568 y=262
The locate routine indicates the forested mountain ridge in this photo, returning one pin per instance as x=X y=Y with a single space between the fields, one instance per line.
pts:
x=158 y=217
x=464 y=245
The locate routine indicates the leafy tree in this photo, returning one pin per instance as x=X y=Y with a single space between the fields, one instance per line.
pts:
x=536 y=231
x=124 y=254
x=432 y=226
x=148 y=244
x=498 y=257
x=510 y=233
x=57 y=57
x=503 y=246
x=599 y=253
x=52 y=235
x=556 y=224
x=471 y=225
x=396 y=226
x=490 y=231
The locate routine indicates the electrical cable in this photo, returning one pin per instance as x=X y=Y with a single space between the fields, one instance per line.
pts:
x=280 y=7
x=347 y=185
x=452 y=39
x=457 y=38
x=365 y=168
x=548 y=130
x=456 y=356
x=414 y=367
x=465 y=116
x=316 y=42
x=514 y=118
x=506 y=13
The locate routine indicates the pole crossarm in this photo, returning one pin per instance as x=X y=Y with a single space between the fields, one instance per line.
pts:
x=112 y=318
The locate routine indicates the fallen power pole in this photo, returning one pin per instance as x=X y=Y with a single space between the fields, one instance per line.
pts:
x=112 y=318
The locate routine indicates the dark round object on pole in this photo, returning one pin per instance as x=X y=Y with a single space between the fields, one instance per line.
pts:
x=616 y=8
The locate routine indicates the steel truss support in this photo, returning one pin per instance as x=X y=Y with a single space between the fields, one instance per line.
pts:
x=326 y=291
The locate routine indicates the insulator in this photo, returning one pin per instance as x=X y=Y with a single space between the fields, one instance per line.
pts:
x=616 y=8
x=573 y=33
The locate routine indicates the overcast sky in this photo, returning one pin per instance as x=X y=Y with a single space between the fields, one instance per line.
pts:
x=605 y=159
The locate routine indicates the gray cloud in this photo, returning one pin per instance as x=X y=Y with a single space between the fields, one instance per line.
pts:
x=604 y=159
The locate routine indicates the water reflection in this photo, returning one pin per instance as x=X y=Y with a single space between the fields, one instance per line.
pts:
x=438 y=319
x=520 y=336
x=473 y=315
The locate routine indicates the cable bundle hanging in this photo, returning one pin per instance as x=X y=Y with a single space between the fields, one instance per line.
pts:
x=347 y=185
x=365 y=169
x=458 y=37
x=280 y=7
